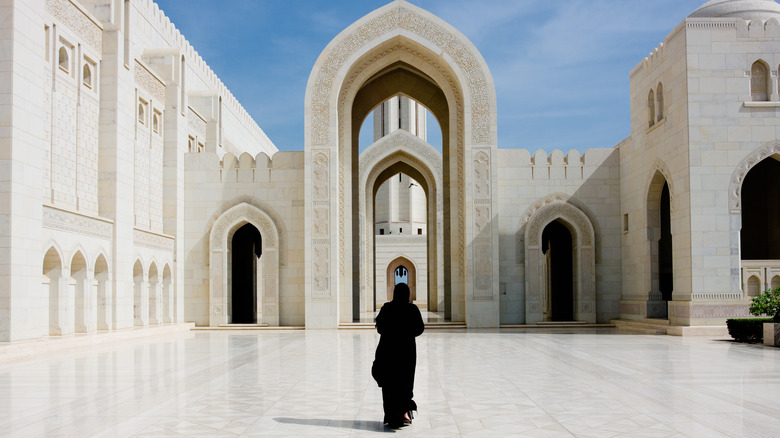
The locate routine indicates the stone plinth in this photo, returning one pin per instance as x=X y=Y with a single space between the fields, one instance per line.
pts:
x=772 y=334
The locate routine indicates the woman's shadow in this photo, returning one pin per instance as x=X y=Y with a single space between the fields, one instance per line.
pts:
x=376 y=426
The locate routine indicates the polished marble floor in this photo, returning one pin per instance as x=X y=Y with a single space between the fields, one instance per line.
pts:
x=532 y=383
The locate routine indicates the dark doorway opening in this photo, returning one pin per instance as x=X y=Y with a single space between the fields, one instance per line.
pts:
x=665 y=265
x=558 y=251
x=246 y=249
x=760 y=235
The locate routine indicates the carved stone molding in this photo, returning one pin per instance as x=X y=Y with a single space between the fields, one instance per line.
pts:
x=481 y=176
x=405 y=18
x=76 y=20
x=153 y=240
x=245 y=213
x=57 y=219
x=320 y=177
x=149 y=82
x=560 y=210
x=712 y=311
x=741 y=171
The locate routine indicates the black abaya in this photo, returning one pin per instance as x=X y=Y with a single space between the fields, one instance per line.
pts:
x=398 y=323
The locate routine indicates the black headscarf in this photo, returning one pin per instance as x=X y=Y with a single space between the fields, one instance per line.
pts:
x=401 y=293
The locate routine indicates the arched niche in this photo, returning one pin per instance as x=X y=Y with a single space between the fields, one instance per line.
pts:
x=402 y=152
x=583 y=254
x=219 y=264
x=398 y=49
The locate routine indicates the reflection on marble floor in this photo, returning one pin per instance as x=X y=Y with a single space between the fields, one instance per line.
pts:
x=551 y=383
x=428 y=317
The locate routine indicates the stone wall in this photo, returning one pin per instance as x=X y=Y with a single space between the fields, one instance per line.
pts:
x=275 y=186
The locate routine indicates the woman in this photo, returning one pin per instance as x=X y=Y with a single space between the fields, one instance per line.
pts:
x=398 y=323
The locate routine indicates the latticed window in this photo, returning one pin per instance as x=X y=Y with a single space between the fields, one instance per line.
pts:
x=759 y=77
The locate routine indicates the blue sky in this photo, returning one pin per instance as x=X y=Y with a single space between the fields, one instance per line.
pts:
x=560 y=67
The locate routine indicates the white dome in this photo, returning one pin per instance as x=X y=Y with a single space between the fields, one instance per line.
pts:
x=746 y=9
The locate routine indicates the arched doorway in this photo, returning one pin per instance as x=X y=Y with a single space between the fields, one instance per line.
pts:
x=401 y=153
x=760 y=233
x=659 y=236
x=246 y=249
x=400 y=270
x=400 y=49
x=559 y=272
x=250 y=231
x=574 y=226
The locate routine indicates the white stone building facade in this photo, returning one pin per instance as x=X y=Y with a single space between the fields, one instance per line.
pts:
x=136 y=191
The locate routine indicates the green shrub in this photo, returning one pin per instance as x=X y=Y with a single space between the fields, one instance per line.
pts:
x=747 y=329
x=768 y=303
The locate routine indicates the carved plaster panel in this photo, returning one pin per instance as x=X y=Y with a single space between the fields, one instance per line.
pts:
x=146 y=80
x=75 y=19
x=481 y=176
x=153 y=240
x=56 y=219
x=321 y=181
x=406 y=19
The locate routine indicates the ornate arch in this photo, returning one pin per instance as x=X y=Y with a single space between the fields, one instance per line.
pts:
x=396 y=34
x=583 y=240
x=740 y=172
x=219 y=263
x=403 y=147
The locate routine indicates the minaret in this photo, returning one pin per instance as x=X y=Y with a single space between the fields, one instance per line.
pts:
x=400 y=201
x=400 y=112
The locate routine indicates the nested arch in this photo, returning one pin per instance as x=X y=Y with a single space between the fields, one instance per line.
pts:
x=583 y=255
x=402 y=152
x=219 y=263
x=397 y=49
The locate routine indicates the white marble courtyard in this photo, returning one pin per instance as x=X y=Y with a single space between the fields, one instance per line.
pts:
x=552 y=383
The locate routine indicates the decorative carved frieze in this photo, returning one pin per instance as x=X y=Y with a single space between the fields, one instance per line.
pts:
x=56 y=219
x=320 y=263
x=76 y=20
x=452 y=45
x=153 y=240
x=712 y=311
x=196 y=124
x=149 y=82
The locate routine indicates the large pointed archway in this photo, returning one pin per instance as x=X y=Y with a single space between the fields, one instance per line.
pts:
x=400 y=49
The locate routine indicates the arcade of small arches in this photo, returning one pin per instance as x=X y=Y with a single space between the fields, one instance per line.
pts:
x=82 y=300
